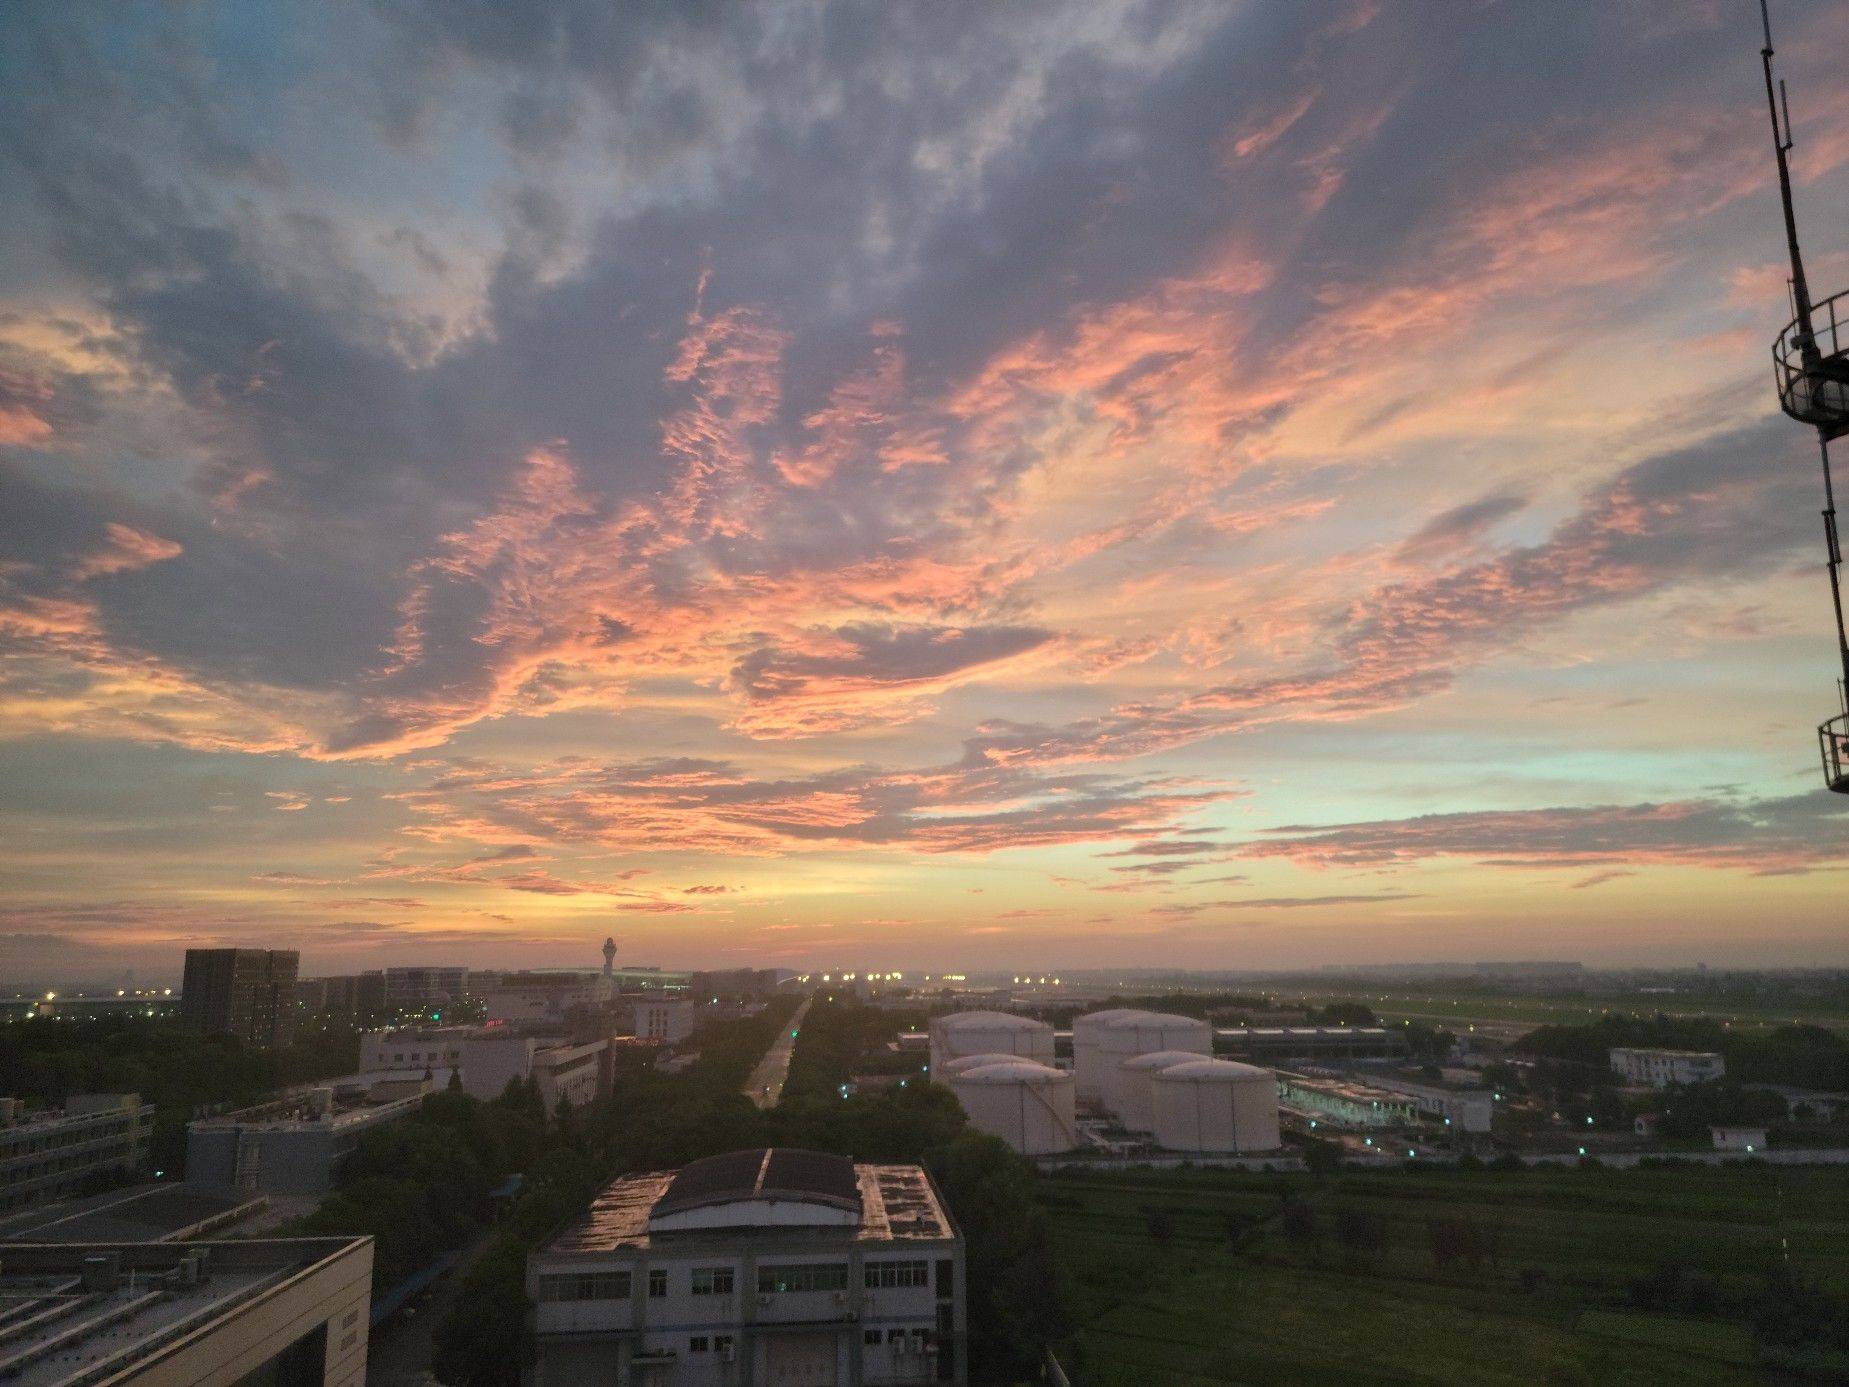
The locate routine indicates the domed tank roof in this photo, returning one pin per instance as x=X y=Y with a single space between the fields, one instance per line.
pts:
x=1092 y=1019
x=989 y=1021
x=1014 y=1071
x=1132 y=1020
x=964 y=1063
x=1162 y=1059
x=1215 y=1071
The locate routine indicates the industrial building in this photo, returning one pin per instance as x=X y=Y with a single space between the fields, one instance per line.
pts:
x=197 y=1314
x=766 y=1266
x=965 y=1033
x=1343 y=1103
x=489 y=1058
x=288 y=1146
x=1307 y=1044
x=1027 y=1104
x=247 y=993
x=51 y=1154
x=1661 y=1068
x=1210 y=1105
x=1463 y=1109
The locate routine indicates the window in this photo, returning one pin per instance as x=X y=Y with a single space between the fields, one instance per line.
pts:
x=895 y=1336
x=697 y=1344
x=593 y=1285
x=722 y=1343
x=806 y=1276
x=712 y=1281
x=872 y=1338
x=885 y=1275
x=657 y=1284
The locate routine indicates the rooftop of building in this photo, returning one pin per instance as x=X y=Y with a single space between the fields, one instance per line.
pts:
x=90 y=1312
x=337 y=1103
x=1301 y=1032
x=145 y=1213
x=1648 y=1052
x=889 y=1202
x=15 y=1117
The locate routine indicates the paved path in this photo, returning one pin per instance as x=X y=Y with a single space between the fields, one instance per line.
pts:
x=399 y=1353
x=765 y=1086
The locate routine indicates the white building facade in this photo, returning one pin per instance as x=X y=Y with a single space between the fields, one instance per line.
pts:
x=1661 y=1068
x=763 y=1268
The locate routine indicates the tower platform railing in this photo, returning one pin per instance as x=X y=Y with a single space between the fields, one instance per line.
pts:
x=1812 y=371
x=1833 y=738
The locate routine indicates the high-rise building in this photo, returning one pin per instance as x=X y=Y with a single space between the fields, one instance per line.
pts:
x=248 y=993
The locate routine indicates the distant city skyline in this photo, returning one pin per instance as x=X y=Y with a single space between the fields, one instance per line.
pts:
x=1185 y=485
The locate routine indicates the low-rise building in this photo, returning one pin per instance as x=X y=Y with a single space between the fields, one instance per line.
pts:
x=763 y=1266
x=488 y=1058
x=1749 y=1139
x=528 y=997
x=51 y=1154
x=289 y=1145
x=194 y=1314
x=1660 y=1068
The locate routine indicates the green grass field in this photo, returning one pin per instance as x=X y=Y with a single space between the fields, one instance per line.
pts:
x=1164 y=1294
x=1456 y=1009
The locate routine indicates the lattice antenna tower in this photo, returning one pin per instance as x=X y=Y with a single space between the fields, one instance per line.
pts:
x=1810 y=362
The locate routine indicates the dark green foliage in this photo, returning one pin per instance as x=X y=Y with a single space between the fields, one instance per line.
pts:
x=486 y=1338
x=1016 y=1294
x=1802 y=1056
x=173 y=1068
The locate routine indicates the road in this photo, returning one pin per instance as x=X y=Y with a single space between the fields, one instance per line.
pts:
x=765 y=1086
x=399 y=1353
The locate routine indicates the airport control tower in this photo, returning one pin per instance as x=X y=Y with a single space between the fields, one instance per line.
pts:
x=1810 y=363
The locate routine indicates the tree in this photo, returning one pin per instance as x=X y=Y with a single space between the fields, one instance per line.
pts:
x=1015 y=1292
x=1361 y=1234
x=486 y=1339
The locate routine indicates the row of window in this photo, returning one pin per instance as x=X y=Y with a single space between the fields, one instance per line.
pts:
x=895 y=1339
x=718 y=1281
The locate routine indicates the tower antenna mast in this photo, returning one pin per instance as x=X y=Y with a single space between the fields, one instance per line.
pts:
x=1811 y=366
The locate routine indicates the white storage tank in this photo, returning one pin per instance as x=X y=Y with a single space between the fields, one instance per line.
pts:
x=1133 y=1079
x=1086 y=1031
x=988 y=1032
x=1143 y=1033
x=1027 y=1105
x=1215 y=1105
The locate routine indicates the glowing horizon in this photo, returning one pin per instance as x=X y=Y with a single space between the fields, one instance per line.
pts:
x=1057 y=487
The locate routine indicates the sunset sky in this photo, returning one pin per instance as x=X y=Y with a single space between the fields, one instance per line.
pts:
x=910 y=485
